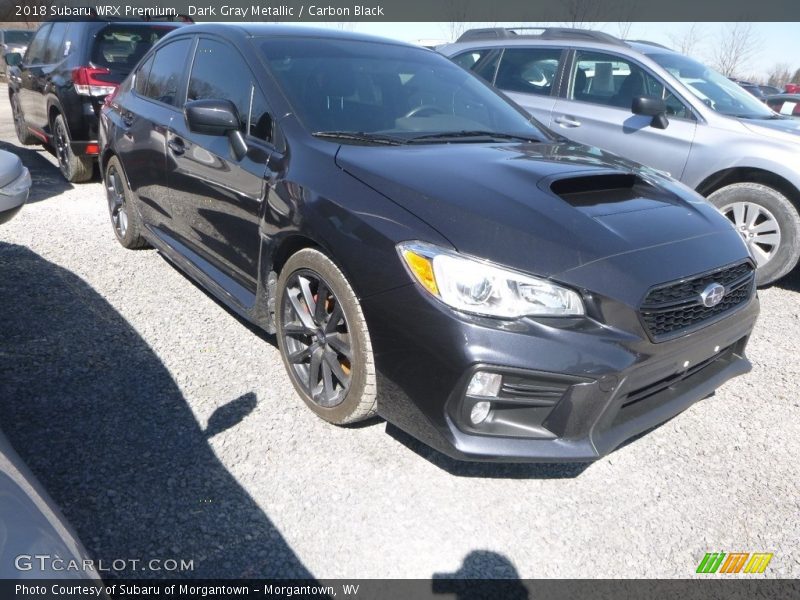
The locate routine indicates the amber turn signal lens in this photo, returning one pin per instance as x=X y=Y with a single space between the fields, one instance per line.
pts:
x=422 y=267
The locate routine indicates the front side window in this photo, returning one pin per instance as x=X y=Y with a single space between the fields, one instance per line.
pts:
x=393 y=90
x=715 y=90
x=219 y=71
x=481 y=62
x=167 y=71
x=612 y=80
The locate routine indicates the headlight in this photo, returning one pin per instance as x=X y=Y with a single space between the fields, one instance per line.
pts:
x=482 y=288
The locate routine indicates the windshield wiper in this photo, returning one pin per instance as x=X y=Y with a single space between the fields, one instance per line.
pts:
x=462 y=135
x=360 y=136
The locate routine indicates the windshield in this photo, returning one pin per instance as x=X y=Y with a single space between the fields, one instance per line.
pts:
x=715 y=90
x=120 y=47
x=17 y=36
x=389 y=93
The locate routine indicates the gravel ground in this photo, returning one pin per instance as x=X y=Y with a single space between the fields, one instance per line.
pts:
x=166 y=428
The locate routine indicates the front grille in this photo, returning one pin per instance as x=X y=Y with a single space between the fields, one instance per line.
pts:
x=676 y=308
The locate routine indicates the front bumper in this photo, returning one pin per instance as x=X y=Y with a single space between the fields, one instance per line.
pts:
x=613 y=383
x=14 y=195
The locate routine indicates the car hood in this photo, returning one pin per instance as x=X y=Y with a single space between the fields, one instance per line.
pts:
x=783 y=129
x=495 y=201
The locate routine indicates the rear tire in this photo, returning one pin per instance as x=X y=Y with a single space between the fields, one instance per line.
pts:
x=769 y=224
x=75 y=169
x=20 y=126
x=124 y=217
x=323 y=339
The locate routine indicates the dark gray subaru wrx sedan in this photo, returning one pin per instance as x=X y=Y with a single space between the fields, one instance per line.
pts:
x=421 y=248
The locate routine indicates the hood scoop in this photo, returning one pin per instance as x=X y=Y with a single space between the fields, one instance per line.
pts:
x=603 y=194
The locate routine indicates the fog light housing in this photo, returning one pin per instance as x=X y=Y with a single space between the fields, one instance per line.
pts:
x=484 y=383
x=480 y=411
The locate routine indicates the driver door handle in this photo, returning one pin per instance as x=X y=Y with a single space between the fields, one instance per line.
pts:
x=565 y=121
x=176 y=145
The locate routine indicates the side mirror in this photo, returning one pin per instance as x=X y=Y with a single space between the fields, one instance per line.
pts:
x=651 y=107
x=13 y=59
x=216 y=117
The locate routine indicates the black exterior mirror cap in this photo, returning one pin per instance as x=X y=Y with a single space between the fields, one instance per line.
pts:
x=648 y=106
x=212 y=116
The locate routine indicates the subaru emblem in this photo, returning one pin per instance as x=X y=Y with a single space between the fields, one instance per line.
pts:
x=712 y=295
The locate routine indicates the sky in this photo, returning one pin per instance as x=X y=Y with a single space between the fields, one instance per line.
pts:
x=774 y=43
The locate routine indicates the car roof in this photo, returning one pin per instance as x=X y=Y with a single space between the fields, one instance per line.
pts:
x=280 y=30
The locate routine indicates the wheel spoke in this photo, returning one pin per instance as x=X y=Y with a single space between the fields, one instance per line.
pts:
x=295 y=329
x=335 y=319
x=761 y=256
x=308 y=298
x=301 y=310
x=738 y=214
x=314 y=369
x=322 y=300
x=753 y=212
x=340 y=342
x=332 y=362
x=769 y=239
x=765 y=227
x=327 y=379
x=300 y=356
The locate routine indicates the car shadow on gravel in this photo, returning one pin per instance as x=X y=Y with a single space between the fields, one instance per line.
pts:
x=791 y=282
x=96 y=415
x=47 y=179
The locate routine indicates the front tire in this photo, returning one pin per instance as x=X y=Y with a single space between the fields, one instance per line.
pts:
x=323 y=339
x=75 y=169
x=20 y=126
x=769 y=224
x=124 y=217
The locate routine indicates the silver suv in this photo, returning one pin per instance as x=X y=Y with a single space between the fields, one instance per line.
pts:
x=657 y=107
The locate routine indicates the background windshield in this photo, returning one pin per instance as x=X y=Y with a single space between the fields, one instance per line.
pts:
x=715 y=90
x=16 y=36
x=366 y=87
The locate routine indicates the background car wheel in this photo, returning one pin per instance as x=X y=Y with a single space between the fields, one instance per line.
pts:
x=124 y=217
x=20 y=126
x=768 y=223
x=75 y=169
x=323 y=339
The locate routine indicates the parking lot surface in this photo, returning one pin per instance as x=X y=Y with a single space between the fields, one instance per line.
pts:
x=166 y=428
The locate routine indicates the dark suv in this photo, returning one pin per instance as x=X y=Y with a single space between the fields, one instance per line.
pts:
x=57 y=88
x=421 y=247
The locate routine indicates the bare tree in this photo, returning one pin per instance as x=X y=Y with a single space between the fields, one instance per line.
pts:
x=738 y=44
x=624 y=29
x=796 y=77
x=457 y=11
x=779 y=74
x=583 y=14
x=688 y=41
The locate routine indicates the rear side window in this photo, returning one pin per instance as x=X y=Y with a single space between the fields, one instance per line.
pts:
x=35 y=53
x=120 y=47
x=18 y=36
x=140 y=85
x=528 y=70
x=166 y=74
x=52 y=49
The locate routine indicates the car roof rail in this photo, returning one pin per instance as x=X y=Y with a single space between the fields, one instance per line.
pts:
x=649 y=43
x=539 y=33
